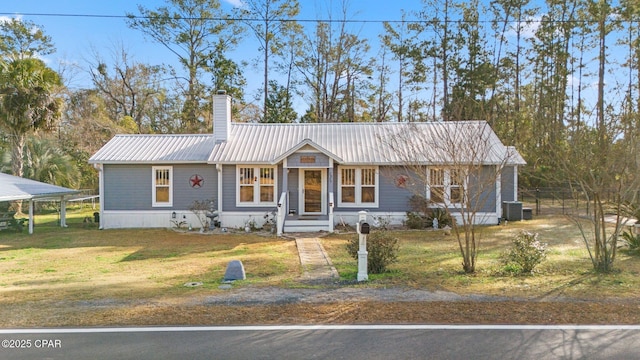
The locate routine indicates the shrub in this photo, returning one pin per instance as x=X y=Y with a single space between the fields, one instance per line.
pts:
x=444 y=218
x=415 y=221
x=527 y=252
x=382 y=248
x=632 y=240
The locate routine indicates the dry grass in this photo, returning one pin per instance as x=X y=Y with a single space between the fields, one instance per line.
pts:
x=81 y=276
x=85 y=263
x=431 y=260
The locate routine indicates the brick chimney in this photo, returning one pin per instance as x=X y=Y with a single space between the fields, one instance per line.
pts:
x=221 y=116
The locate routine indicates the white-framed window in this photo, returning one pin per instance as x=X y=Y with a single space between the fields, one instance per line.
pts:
x=256 y=185
x=358 y=186
x=162 y=194
x=445 y=185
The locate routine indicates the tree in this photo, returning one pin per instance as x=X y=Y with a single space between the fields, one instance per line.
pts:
x=438 y=17
x=459 y=164
x=412 y=70
x=336 y=71
x=474 y=76
x=197 y=32
x=23 y=39
x=279 y=105
x=28 y=101
x=130 y=88
x=46 y=162
x=609 y=178
x=271 y=22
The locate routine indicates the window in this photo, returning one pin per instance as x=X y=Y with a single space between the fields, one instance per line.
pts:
x=256 y=186
x=358 y=187
x=162 y=186
x=446 y=186
x=436 y=185
x=456 y=185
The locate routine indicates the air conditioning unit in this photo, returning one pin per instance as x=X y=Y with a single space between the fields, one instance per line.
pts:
x=512 y=210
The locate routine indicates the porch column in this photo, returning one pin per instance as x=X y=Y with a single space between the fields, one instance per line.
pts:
x=285 y=187
x=498 y=188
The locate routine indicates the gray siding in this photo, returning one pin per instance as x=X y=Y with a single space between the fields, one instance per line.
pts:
x=482 y=190
x=507 y=183
x=229 y=184
x=129 y=187
x=391 y=197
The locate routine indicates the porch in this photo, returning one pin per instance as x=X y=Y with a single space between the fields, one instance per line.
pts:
x=288 y=221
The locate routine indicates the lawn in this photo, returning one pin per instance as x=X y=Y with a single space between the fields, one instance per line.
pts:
x=84 y=263
x=432 y=260
x=82 y=276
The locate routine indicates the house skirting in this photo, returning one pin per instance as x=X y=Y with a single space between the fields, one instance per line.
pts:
x=122 y=219
x=398 y=218
x=112 y=219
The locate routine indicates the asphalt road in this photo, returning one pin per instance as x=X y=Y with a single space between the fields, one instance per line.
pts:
x=325 y=342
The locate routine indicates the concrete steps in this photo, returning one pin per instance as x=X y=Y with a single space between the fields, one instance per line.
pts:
x=302 y=226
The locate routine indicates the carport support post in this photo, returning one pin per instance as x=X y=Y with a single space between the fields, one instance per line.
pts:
x=362 y=249
x=30 y=216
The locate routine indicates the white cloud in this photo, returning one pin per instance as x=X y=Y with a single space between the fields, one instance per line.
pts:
x=4 y=19
x=528 y=27
x=235 y=3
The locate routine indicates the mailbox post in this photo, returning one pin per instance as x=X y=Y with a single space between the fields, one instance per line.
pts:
x=363 y=231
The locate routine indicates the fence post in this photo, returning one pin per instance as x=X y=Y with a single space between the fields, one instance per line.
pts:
x=537 y=201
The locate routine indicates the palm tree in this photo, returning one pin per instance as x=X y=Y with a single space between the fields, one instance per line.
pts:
x=46 y=162
x=27 y=102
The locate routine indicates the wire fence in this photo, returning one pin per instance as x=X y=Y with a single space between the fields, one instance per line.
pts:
x=564 y=201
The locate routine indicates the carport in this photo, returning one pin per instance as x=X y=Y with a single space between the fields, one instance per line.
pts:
x=14 y=188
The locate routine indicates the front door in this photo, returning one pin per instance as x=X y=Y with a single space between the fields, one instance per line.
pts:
x=313 y=183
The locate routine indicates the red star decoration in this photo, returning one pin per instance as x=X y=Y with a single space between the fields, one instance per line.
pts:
x=196 y=181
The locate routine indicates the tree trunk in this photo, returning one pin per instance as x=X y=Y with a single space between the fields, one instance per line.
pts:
x=17 y=151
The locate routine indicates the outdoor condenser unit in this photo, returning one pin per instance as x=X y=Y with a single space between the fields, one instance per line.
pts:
x=512 y=210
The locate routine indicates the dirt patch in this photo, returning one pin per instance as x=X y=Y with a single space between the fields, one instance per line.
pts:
x=333 y=305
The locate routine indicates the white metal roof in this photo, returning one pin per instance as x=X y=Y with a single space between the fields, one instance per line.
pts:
x=368 y=143
x=155 y=149
x=346 y=143
x=14 y=188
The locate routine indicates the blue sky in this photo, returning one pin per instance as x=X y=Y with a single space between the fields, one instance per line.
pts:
x=77 y=38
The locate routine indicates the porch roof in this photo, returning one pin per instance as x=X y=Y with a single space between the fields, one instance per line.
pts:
x=368 y=143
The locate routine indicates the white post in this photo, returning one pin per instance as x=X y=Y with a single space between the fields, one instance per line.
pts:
x=63 y=212
x=362 y=250
x=30 y=216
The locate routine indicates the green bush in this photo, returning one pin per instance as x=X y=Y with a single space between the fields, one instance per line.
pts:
x=382 y=251
x=632 y=240
x=527 y=252
x=444 y=218
x=415 y=221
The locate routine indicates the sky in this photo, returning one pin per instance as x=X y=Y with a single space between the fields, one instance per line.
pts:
x=77 y=38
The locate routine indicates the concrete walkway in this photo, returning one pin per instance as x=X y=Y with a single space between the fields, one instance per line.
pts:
x=316 y=264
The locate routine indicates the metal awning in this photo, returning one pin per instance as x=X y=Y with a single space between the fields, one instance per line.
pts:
x=14 y=188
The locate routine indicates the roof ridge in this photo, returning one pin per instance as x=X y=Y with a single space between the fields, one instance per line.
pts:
x=158 y=135
x=359 y=123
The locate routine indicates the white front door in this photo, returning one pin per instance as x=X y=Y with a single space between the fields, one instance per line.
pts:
x=313 y=193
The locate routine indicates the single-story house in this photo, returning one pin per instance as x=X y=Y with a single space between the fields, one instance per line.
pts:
x=311 y=176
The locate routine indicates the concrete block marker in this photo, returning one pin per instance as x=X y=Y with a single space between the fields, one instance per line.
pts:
x=235 y=271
